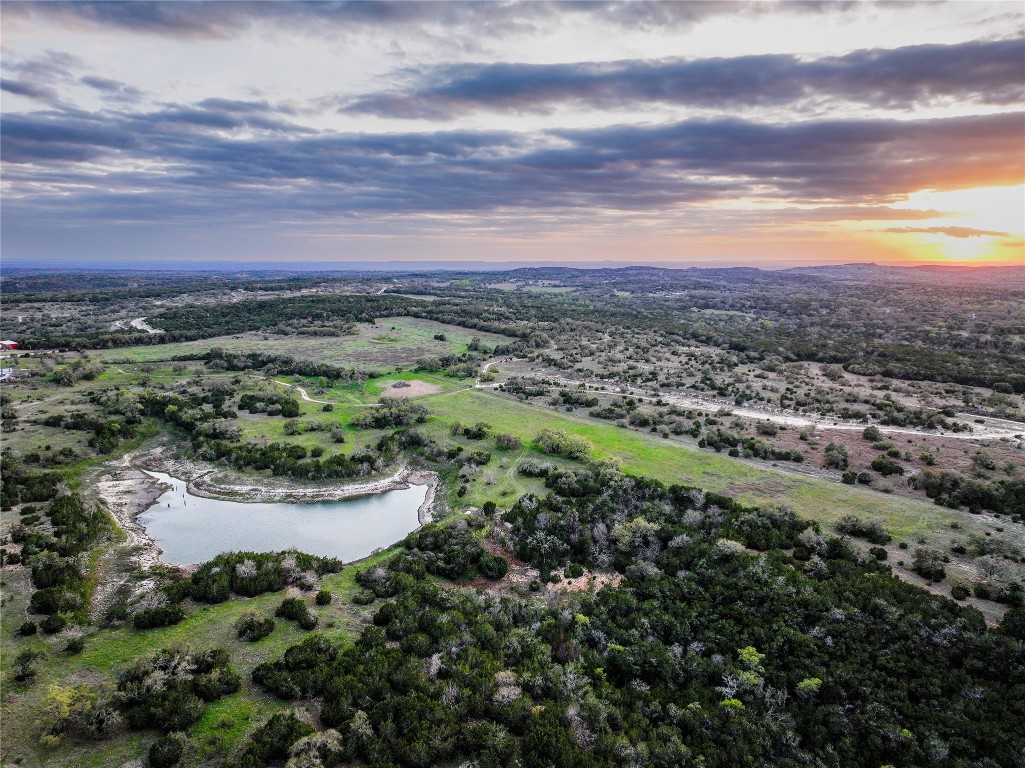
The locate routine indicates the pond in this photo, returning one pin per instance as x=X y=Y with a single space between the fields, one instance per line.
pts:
x=193 y=529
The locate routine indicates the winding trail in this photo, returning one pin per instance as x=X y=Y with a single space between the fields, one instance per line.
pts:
x=140 y=324
x=302 y=392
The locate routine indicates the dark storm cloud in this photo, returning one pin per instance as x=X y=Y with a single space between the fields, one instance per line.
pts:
x=990 y=72
x=959 y=232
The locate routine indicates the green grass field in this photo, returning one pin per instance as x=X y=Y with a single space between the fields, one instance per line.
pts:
x=673 y=461
x=388 y=342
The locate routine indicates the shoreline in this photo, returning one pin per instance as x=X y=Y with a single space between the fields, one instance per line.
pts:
x=127 y=490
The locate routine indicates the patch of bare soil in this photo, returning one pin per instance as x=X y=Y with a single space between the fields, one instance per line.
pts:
x=410 y=389
x=591 y=582
x=126 y=492
x=495 y=549
x=211 y=482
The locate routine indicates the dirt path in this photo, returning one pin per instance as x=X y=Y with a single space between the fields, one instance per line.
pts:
x=303 y=394
x=28 y=403
x=140 y=324
x=789 y=418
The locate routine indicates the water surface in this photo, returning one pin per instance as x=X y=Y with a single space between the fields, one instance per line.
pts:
x=192 y=529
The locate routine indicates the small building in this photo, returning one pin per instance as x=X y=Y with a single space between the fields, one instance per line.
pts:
x=8 y=344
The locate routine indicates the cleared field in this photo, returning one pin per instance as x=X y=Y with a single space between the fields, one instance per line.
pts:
x=389 y=341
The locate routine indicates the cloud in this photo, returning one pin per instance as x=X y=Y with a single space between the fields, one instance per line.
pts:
x=218 y=19
x=984 y=71
x=39 y=77
x=959 y=232
x=112 y=89
x=866 y=213
x=195 y=161
x=33 y=91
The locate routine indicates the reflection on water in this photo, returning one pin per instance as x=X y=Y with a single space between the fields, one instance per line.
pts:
x=193 y=529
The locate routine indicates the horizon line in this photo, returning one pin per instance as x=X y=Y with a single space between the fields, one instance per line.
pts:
x=70 y=265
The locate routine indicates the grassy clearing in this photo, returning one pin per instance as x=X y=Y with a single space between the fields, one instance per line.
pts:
x=676 y=462
x=387 y=342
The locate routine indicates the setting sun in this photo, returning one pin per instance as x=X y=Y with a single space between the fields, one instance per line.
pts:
x=986 y=208
x=982 y=225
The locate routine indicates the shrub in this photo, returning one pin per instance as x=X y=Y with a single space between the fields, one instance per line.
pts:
x=323 y=597
x=392 y=412
x=560 y=444
x=294 y=609
x=252 y=626
x=836 y=457
x=364 y=597
x=51 y=625
x=28 y=628
x=75 y=646
x=493 y=567
x=960 y=590
x=886 y=466
x=167 y=751
x=508 y=443
x=928 y=564
x=161 y=616
x=574 y=570
x=1013 y=623
x=532 y=468
x=167 y=691
x=872 y=434
x=273 y=739
x=25 y=665
x=878 y=553
x=249 y=574
x=872 y=531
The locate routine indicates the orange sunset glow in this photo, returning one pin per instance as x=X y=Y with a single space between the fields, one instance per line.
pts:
x=678 y=133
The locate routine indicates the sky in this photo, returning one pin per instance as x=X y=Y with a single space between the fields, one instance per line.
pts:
x=769 y=134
